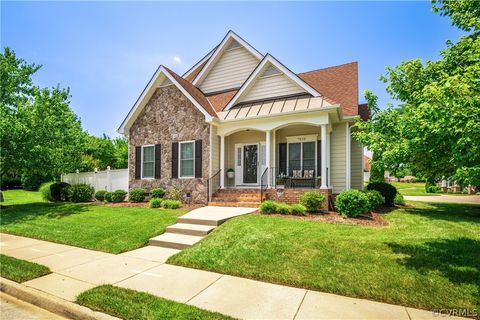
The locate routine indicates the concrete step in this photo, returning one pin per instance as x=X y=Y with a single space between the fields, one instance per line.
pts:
x=190 y=229
x=243 y=204
x=235 y=199
x=174 y=240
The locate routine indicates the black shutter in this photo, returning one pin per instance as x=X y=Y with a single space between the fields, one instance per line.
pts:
x=282 y=158
x=138 y=163
x=319 y=158
x=198 y=158
x=158 y=162
x=174 y=159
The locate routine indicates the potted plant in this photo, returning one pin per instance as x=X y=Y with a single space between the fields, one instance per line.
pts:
x=230 y=173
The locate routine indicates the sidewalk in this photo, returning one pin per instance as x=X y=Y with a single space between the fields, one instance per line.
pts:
x=445 y=198
x=76 y=270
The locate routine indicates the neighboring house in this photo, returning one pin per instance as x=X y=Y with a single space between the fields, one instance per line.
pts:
x=366 y=168
x=240 y=109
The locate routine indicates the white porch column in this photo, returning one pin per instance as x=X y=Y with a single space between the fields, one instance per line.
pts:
x=267 y=156
x=328 y=160
x=222 y=161
x=347 y=154
x=323 y=156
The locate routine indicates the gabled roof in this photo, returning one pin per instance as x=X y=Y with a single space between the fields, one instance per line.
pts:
x=190 y=91
x=193 y=71
x=218 y=52
x=338 y=83
x=220 y=100
x=269 y=59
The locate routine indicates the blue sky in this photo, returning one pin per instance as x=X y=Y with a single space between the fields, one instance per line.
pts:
x=107 y=51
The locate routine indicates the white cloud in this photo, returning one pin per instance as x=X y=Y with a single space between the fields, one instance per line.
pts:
x=177 y=59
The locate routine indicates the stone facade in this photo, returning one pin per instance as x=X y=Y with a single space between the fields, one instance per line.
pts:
x=292 y=196
x=170 y=117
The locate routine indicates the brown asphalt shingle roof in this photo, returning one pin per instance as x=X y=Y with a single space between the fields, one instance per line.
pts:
x=220 y=100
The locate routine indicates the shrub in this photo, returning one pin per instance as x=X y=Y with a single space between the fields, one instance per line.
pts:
x=118 y=195
x=157 y=193
x=80 y=193
x=155 y=203
x=268 y=207
x=399 y=200
x=137 y=195
x=32 y=182
x=100 y=195
x=10 y=182
x=45 y=191
x=375 y=199
x=171 y=204
x=352 y=203
x=386 y=189
x=312 y=200
x=298 y=210
x=108 y=196
x=433 y=189
x=283 y=208
x=175 y=194
x=58 y=191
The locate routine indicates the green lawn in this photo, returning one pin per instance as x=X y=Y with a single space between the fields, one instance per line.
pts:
x=130 y=304
x=412 y=188
x=98 y=227
x=428 y=257
x=20 y=270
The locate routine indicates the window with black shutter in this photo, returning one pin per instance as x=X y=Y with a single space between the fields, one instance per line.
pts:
x=174 y=159
x=158 y=165
x=138 y=163
x=198 y=158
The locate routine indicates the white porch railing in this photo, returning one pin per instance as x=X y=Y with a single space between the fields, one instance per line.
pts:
x=109 y=180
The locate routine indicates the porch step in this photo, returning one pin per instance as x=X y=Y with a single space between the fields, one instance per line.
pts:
x=242 y=204
x=190 y=229
x=238 y=190
x=174 y=240
x=234 y=198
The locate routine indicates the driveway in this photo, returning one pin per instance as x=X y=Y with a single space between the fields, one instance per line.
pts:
x=446 y=198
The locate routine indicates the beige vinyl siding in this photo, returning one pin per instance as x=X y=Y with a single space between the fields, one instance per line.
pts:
x=271 y=86
x=338 y=157
x=215 y=145
x=230 y=71
x=296 y=130
x=356 y=158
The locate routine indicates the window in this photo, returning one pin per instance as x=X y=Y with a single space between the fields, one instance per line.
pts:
x=148 y=162
x=187 y=159
x=301 y=156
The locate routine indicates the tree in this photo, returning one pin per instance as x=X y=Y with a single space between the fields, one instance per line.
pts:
x=39 y=133
x=103 y=152
x=435 y=131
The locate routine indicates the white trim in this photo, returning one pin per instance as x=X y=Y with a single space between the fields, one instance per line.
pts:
x=210 y=152
x=180 y=159
x=268 y=142
x=148 y=92
x=301 y=154
x=192 y=69
x=323 y=164
x=222 y=161
x=141 y=163
x=242 y=145
x=270 y=59
x=220 y=49
x=302 y=138
x=348 y=157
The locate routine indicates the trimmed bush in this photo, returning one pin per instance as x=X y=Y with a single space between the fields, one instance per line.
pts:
x=80 y=193
x=157 y=193
x=108 y=196
x=10 y=182
x=118 y=195
x=137 y=195
x=352 y=203
x=45 y=191
x=399 y=200
x=386 y=189
x=175 y=194
x=433 y=189
x=268 y=207
x=375 y=199
x=155 y=203
x=58 y=191
x=171 y=204
x=100 y=195
x=298 y=210
x=283 y=208
x=32 y=182
x=312 y=200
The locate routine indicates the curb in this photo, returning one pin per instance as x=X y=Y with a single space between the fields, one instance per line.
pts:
x=51 y=303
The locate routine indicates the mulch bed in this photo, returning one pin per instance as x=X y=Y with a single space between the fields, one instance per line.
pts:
x=143 y=204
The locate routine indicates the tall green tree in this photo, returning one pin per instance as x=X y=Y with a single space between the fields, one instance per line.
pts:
x=39 y=133
x=435 y=130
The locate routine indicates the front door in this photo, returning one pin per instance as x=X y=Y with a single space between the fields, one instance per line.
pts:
x=250 y=164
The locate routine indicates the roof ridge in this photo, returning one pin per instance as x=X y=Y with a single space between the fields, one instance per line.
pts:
x=336 y=66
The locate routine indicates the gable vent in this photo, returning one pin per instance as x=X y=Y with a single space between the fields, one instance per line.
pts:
x=233 y=45
x=271 y=71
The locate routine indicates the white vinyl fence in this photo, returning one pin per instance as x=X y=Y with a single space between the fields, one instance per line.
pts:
x=109 y=180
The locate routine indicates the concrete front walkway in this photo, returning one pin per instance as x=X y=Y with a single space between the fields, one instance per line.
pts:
x=446 y=199
x=76 y=270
